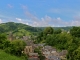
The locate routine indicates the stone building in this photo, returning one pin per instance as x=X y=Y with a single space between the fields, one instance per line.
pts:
x=28 y=49
x=33 y=56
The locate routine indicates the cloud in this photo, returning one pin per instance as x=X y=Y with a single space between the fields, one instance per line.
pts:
x=19 y=19
x=10 y=6
x=0 y=21
x=35 y=21
x=41 y=22
x=75 y=22
x=22 y=21
x=27 y=23
x=28 y=14
x=49 y=21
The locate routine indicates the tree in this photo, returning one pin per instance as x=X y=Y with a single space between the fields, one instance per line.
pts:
x=3 y=38
x=16 y=47
x=58 y=31
x=73 y=49
x=75 y=31
x=37 y=50
x=76 y=54
x=52 y=40
x=48 y=30
x=61 y=41
x=2 y=30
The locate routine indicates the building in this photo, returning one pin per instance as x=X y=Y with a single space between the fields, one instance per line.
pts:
x=63 y=54
x=33 y=56
x=10 y=36
x=28 y=49
x=52 y=58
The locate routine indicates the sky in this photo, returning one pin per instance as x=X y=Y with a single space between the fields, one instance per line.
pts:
x=41 y=13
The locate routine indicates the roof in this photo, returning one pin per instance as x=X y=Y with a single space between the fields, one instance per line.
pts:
x=48 y=48
x=53 y=58
x=63 y=52
x=33 y=58
x=33 y=54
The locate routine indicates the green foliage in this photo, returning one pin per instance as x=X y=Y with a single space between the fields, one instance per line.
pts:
x=38 y=50
x=76 y=54
x=2 y=40
x=51 y=40
x=5 y=56
x=75 y=31
x=57 y=31
x=42 y=36
x=48 y=30
x=18 y=29
x=16 y=47
x=63 y=41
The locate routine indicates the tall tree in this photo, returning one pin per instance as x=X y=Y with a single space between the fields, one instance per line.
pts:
x=48 y=30
x=75 y=31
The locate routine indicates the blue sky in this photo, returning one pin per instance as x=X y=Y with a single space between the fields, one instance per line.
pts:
x=41 y=12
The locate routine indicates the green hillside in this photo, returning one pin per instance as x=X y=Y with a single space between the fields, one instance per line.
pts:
x=11 y=26
x=55 y=28
x=18 y=29
x=5 y=56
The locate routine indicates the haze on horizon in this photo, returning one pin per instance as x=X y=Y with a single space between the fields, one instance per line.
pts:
x=40 y=13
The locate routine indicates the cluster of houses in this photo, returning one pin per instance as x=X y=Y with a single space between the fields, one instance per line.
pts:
x=49 y=52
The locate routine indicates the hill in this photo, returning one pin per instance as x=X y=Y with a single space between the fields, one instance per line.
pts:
x=55 y=28
x=5 y=56
x=18 y=29
x=11 y=26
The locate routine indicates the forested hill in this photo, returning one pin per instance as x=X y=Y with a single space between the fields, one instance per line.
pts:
x=11 y=26
x=15 y=27
x=18 y=29
x=62 y=28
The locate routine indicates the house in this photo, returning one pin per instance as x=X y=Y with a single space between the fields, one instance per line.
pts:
x=10 y=36
x=25 y=38
x=63 y=54
x=47 y=48
x=49 y=51
x=28 y=49
x=38 y=45
x=33 y=56
x=41 y=45
x=52 y=58
x=54 y=53
x=46 y=53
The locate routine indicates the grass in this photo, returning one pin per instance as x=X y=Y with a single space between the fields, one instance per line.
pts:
x=5 y=56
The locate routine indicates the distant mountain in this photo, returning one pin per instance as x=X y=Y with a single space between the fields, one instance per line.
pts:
x=64 y=28
x=18 y=29
x=11 y=26
x=55 y=28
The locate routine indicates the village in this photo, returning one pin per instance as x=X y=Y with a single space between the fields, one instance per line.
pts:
x=50 y=53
